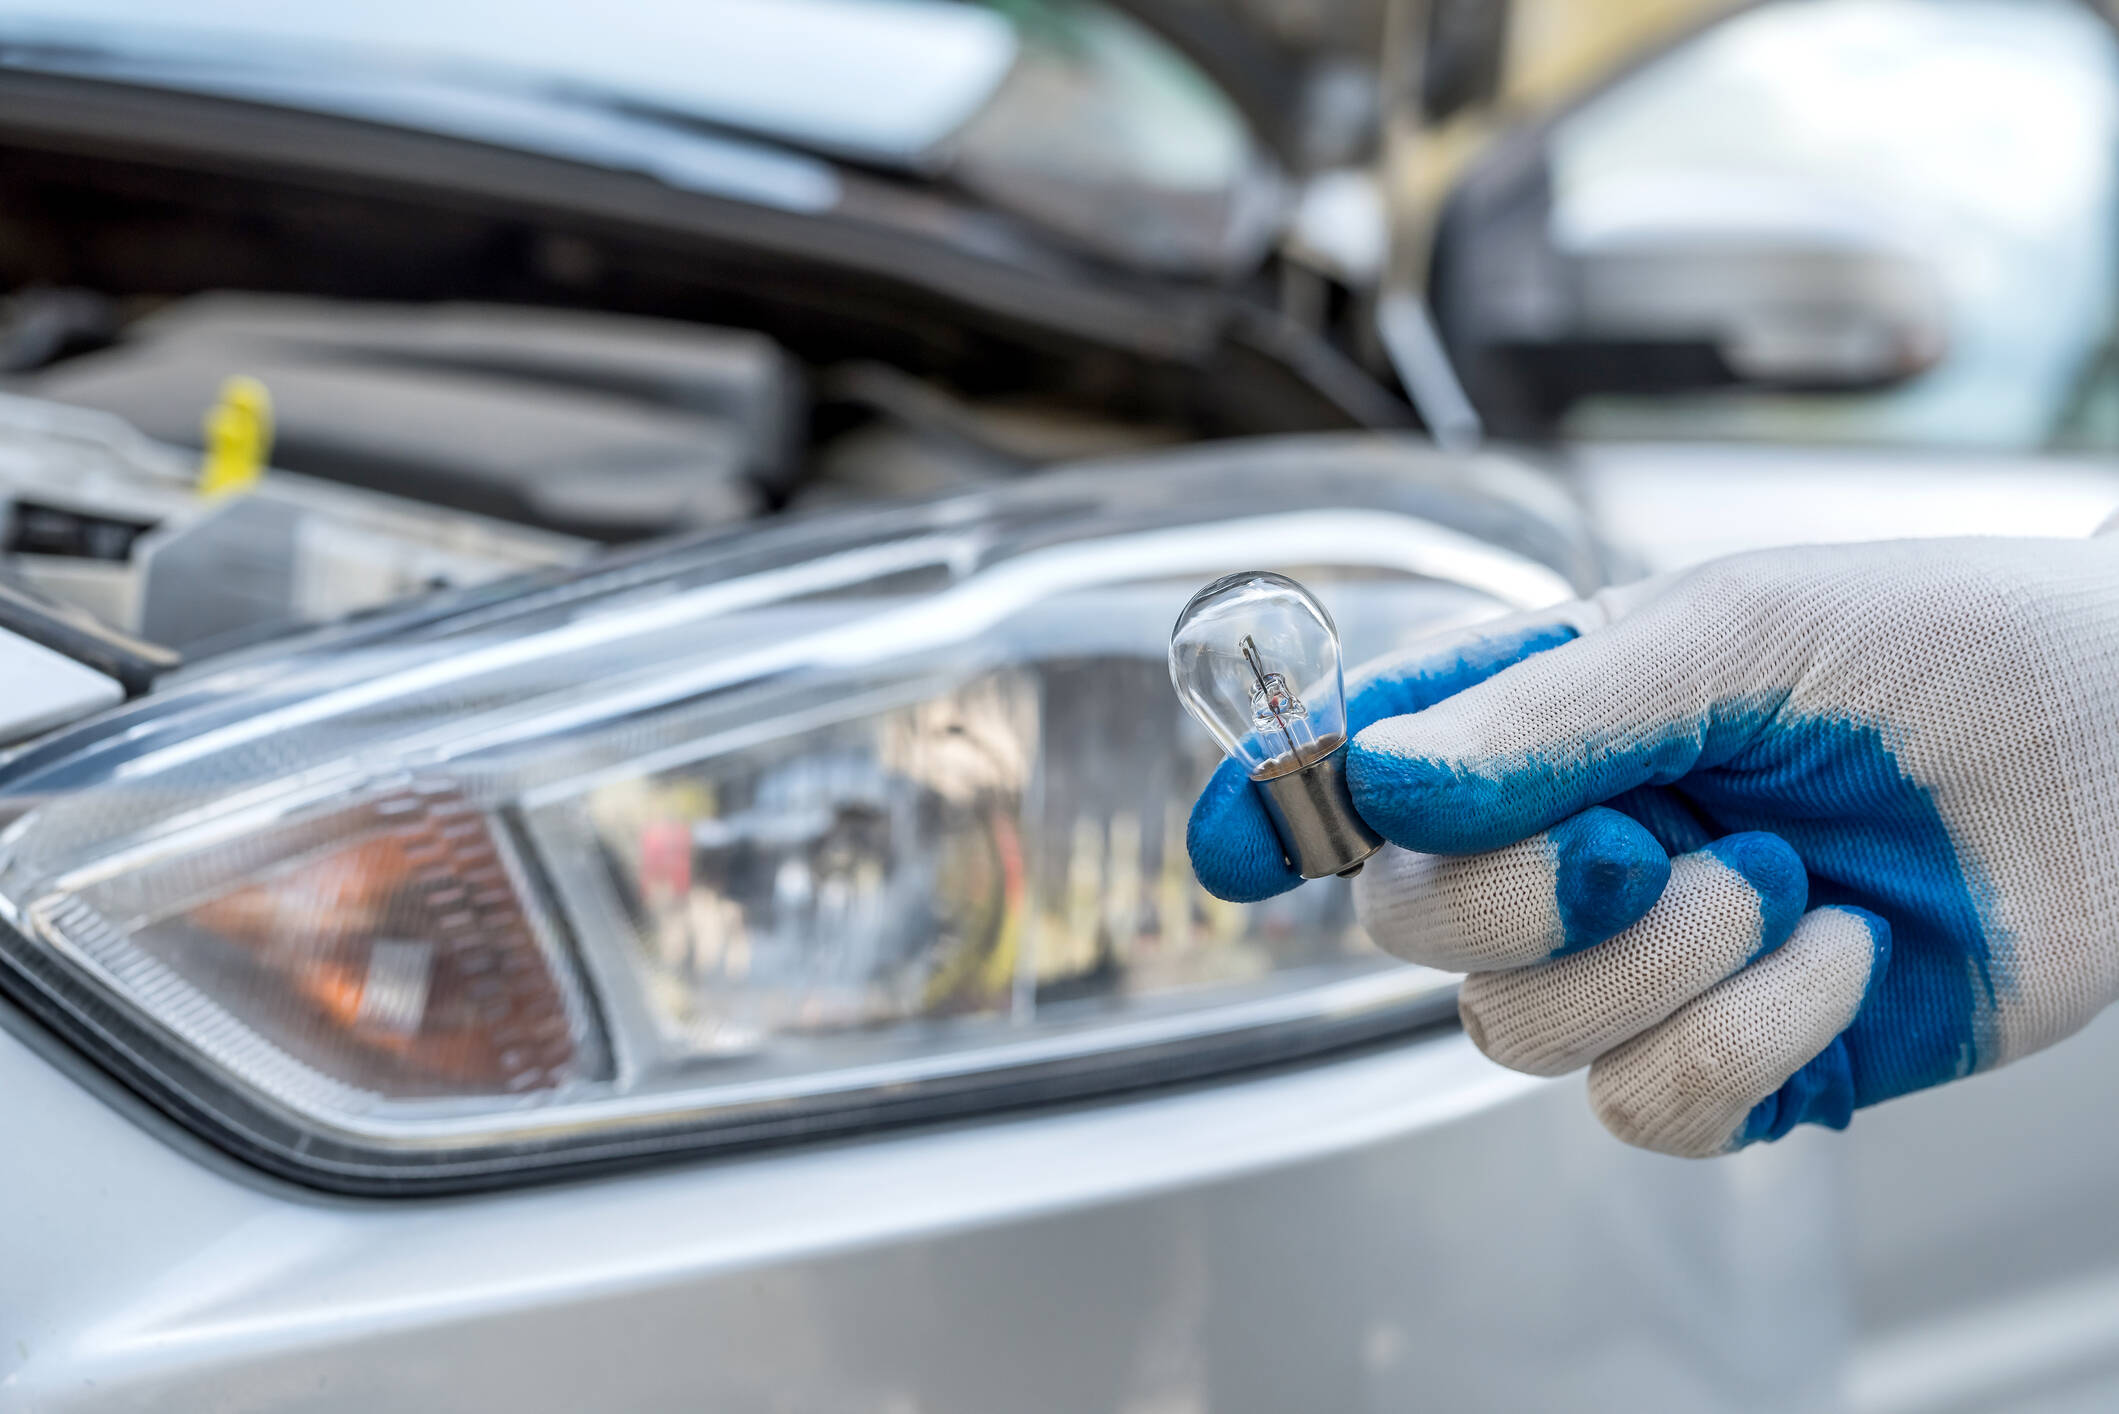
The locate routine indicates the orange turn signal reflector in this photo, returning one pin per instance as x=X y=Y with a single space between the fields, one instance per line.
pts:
x=401 y=962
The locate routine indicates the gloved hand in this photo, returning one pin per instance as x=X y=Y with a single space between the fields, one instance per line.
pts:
x=1890 y=778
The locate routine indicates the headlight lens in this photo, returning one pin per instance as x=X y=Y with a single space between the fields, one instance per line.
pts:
x=849 y=820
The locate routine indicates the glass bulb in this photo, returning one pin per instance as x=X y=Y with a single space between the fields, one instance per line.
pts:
x=1256 y=659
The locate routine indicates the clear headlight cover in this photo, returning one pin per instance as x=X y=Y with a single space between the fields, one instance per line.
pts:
x=869 y=817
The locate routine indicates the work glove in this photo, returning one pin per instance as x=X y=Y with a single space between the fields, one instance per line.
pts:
x=1762 y=843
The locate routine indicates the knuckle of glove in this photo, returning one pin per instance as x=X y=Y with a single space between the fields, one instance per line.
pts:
x=1680 y=1093
x=1725 y=907
x=1495 y=910
x=1555 y=893
x=1693 y=1085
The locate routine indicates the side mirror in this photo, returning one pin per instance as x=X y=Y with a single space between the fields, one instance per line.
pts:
x=1671 y=282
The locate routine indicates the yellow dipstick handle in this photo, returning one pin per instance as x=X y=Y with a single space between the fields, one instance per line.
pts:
x=238 y=438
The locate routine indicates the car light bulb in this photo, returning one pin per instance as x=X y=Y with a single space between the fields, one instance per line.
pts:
x=1255 y=658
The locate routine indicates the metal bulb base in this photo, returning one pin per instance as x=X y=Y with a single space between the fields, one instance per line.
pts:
x=1315 y=818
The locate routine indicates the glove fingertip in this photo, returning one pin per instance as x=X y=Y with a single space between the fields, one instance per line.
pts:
x=1773 y=868
x=1609 y=871
x=1235 y=853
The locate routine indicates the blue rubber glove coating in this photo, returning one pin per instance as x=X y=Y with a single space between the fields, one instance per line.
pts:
x=1608 y=870
x=1870 y=836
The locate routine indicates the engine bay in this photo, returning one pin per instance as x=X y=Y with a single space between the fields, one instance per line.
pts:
x=482 y=358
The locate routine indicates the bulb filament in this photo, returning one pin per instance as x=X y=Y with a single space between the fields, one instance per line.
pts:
x=1271 y=701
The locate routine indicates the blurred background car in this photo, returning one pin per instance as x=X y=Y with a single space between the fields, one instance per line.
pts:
x=641 y=864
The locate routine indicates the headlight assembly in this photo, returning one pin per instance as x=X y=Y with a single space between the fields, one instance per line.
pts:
x=856 y=819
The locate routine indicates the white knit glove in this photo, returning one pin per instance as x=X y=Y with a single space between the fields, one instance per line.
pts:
x=1889 y=773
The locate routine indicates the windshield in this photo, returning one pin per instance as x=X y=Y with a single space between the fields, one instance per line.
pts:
x=1157 y=167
